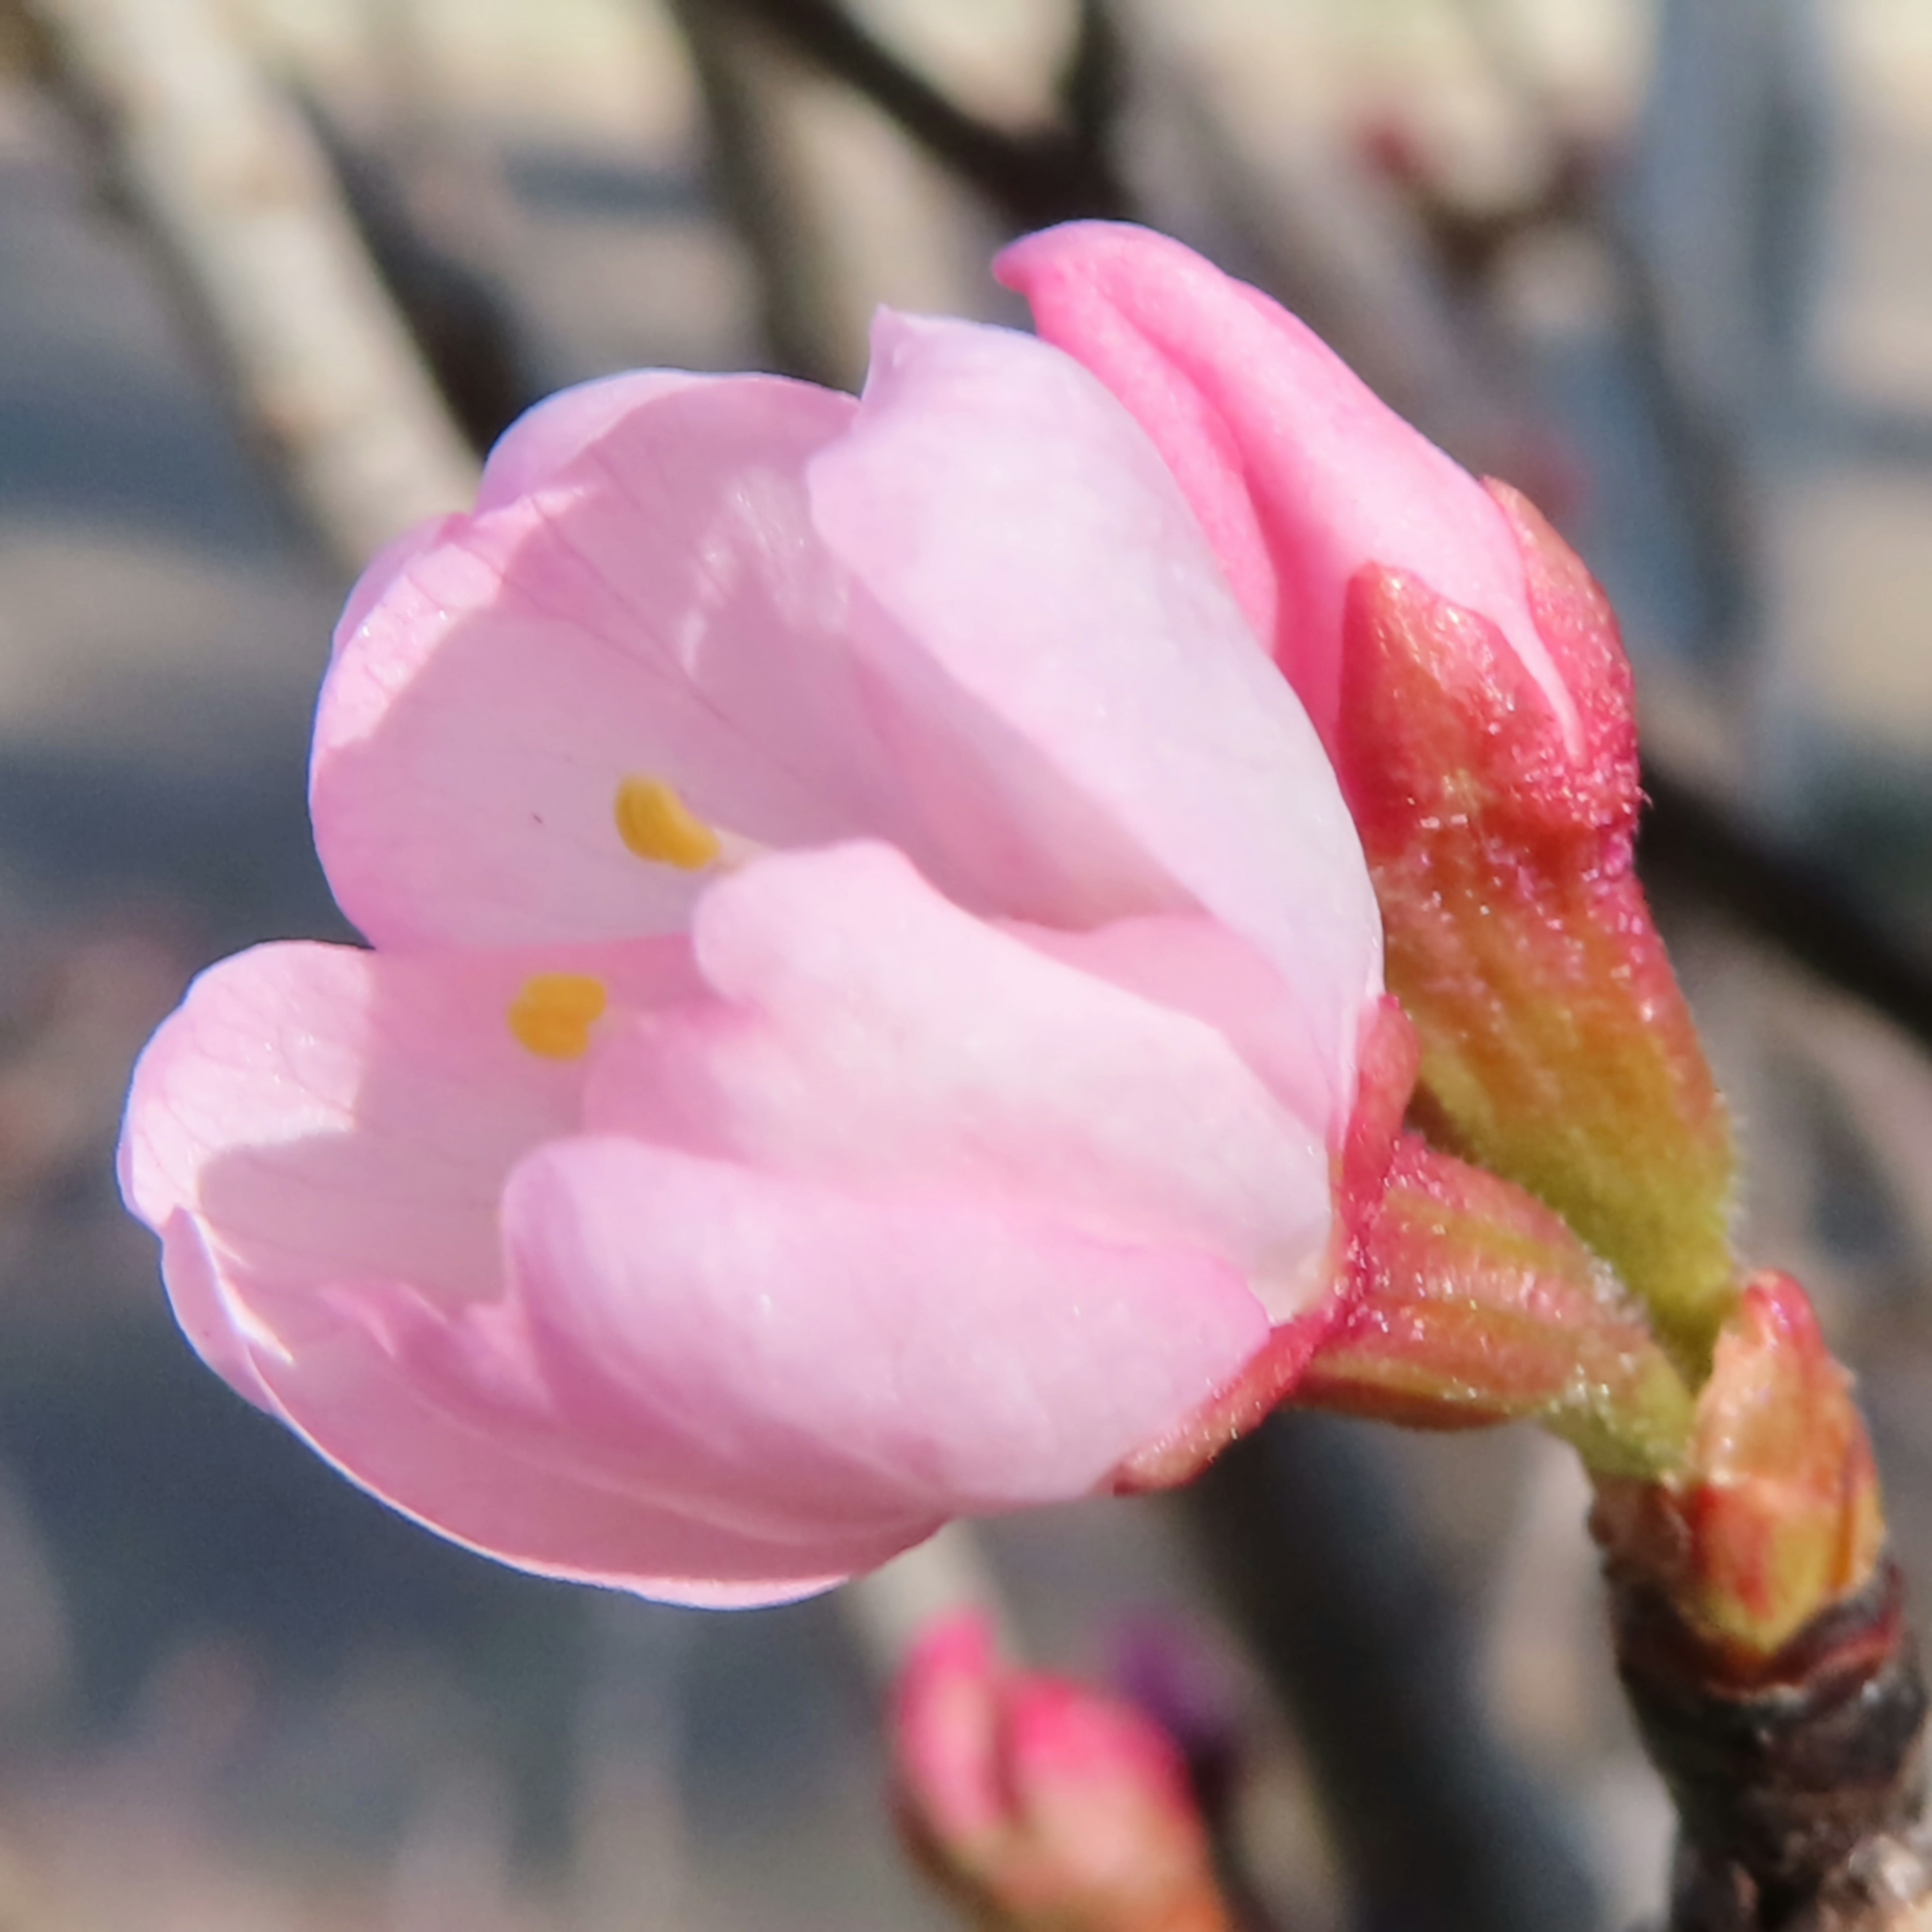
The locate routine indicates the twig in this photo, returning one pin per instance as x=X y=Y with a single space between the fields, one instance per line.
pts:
x=1440 y=1831
x=1033 y=179
x=228 y=176
x=1691 y=840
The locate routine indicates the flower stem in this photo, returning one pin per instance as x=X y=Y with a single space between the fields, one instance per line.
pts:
x=1800 y=1793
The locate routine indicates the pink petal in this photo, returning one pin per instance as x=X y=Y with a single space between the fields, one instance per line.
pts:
x=1196 y=966
x=324 y=1113
x=656 y=607
x=656 y=602
x=526 y=1488
x=539 y=449
x=217 y=1328
x=773 y=1352
x=1003 y=510
x=387 y=569
x=715 y=1388
x=539 y=444
x=871 y=1035
x=1299 y=474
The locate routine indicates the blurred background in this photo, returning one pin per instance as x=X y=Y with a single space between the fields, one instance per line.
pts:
x=271 y=271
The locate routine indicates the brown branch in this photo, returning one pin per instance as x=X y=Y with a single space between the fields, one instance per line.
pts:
x=1800 y=1794
x=226 y=174
x=1033 y=179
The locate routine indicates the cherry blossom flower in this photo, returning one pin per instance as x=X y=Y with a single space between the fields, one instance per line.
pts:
x=868 y=975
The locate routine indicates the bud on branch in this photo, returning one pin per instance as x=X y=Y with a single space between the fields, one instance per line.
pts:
x=1043 y=1806
x=1557 y=1047
x=1776 y=1516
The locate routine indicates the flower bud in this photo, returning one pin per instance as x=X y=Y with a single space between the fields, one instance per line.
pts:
x=1043 y=1806
x=1474 y=1305
x=1466 y=676
x=1777 y=1517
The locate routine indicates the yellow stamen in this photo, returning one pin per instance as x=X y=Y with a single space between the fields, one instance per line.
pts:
x=656 y=824
x=553 y=1013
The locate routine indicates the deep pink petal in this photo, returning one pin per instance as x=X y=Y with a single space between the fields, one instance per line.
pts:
x=871 y=1035
x=1298 y=473
x=324 y=1113
x=1001 y=509
x=945 y=1735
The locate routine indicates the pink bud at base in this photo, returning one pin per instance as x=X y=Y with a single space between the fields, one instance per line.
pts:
x=1777 y=1516
x=1041 y=1805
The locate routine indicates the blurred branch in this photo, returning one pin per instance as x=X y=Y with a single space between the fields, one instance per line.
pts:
x=1690 y=840
x=453 y=298
x=1440 y=1831
x=1705 y=464
x=228 y=176
x=1033 y=179
x=759 y=192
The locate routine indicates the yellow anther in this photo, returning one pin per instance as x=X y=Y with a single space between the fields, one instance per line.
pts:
x=553 y=1013
x=656 y=824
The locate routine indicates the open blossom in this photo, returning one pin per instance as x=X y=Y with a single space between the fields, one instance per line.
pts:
x=869 y=966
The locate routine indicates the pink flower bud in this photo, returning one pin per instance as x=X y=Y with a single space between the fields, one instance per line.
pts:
x=1300 y=476
x=1467 y=676
x=1041 y=1804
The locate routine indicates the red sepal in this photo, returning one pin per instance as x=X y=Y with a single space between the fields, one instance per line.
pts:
x=1557 y=1048
x=1475 y=1305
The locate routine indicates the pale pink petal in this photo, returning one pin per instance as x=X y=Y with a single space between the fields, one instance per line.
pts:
x=530 y=454
x=1001 y=508
x=537 y=450
x=772 y=1352
x=871 y=1035
x=354 y=1368
x=527 y=1489
x=217 y=1329
x=1196 y=966
x=649 y=610
x=716 y=1388
x=656 y=603
x=386 y=568
x=1298 y=473
x=325 y=1113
